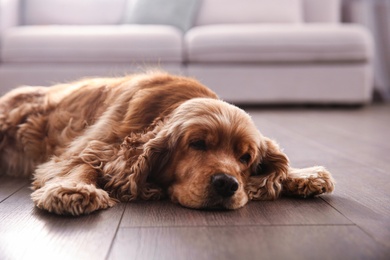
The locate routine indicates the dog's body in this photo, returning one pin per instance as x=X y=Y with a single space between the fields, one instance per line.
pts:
x=95 y=142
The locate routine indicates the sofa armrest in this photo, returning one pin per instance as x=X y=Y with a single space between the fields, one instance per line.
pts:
x=9 y=14
x=322 y=11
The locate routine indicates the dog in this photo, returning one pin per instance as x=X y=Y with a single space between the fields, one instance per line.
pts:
x=93 y=143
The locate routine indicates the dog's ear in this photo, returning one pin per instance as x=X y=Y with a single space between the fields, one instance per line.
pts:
x=140 y=155
x=273 y=161
x=156 y=153
x=267 y=175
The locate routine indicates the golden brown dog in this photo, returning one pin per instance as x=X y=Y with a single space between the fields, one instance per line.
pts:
x=95 y=142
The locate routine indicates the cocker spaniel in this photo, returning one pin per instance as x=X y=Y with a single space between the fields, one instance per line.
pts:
x=93 y=143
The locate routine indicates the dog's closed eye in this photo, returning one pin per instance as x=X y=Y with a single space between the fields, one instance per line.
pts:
x=199 y=145
x=245 y=158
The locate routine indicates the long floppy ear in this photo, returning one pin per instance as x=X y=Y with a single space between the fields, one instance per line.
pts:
x=156 y=154
x=139 y=156
x=267 y=175
x=274 y=161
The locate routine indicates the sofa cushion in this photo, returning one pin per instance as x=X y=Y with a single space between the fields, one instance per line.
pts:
x=249 y=11
x=320 y=11
x=278 y=43
x=178 y=13
x=126 y=43
x=72 y=12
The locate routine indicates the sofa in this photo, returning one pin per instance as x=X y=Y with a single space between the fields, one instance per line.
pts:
x=247 y=51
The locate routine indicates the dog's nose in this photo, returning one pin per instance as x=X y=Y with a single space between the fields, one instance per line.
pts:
x=224 y=184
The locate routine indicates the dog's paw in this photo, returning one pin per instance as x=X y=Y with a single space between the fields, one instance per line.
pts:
x=309 y=182
x=71 y=199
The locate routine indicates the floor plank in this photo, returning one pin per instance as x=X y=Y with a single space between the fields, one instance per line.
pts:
x=364 y=199
x=10 y=185
x=285 y=211
x=375 y=225
x=249 y=242
x=29 y=233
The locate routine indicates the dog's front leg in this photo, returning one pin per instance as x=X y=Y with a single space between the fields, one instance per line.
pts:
x=69 y=186
x=308 y=182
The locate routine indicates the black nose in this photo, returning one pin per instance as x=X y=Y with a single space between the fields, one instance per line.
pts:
x=224 y=184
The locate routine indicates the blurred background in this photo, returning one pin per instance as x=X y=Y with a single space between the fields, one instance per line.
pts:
x=374 y=15
x=249 y=51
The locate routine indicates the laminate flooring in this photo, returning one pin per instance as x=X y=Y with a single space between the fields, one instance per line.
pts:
x=351 y=223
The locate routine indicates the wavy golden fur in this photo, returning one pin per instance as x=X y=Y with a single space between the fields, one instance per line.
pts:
x=93 y=143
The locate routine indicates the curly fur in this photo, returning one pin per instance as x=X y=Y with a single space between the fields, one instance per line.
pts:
x=95 y=142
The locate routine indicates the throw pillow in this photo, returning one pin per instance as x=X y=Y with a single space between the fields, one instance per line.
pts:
x=179 y=13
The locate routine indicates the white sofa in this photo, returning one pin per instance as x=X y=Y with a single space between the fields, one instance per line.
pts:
x=248 y=51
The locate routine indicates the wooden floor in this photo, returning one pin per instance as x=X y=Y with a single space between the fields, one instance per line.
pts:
x=352 y=223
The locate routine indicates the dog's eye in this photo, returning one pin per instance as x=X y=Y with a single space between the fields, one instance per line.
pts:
x=199 y=145
x=245 y=158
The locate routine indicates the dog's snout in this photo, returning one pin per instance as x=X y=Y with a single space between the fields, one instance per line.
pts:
x=224 y=184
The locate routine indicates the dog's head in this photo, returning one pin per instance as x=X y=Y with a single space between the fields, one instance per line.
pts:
x=209 y=154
